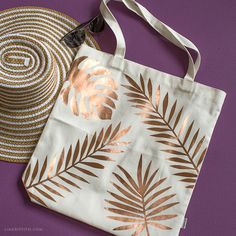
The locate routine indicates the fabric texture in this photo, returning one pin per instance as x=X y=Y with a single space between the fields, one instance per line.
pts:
x=33 y=66
x=130 y=140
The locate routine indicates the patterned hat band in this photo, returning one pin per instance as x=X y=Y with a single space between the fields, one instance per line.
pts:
x=33 y=66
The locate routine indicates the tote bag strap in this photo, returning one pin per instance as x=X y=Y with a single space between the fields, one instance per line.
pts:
x=171 y=35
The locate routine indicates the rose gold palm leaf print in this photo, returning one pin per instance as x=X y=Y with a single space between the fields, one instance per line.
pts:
x=94 y=91
x=182 y=142
x=141 y=202
x=74 y=165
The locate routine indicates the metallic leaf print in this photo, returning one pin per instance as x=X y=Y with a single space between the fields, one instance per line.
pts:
x=61 y=186
x=183 y=126
x=36 y=198
x=138 y=200
x=94 y=90
x=51 y=190
x=51 y=167
x=35 y=171
x=26 y=174
x=73 y=167
x=168 y=127
x=43 y=168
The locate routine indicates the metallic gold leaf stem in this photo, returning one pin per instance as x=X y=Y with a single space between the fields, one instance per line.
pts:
x=145 y=216
x=181 y=144
x=91 y=154
x=172 y=130
x=149 y=210
x=61 y=172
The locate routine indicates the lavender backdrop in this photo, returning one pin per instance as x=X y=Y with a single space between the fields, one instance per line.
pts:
x=211 y=25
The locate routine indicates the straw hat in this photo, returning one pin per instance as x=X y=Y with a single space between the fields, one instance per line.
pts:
x=33 y=65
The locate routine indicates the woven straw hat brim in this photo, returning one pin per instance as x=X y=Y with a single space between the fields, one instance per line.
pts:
x=33 y=66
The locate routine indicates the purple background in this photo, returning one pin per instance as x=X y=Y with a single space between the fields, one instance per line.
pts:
x=211 y=25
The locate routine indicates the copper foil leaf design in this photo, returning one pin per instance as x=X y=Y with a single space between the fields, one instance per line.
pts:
x=94 y=90
x=75 y=165
x=165 y=120
x=140 y=202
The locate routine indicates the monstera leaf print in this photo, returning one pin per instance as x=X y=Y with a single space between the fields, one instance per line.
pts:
x=74 y=165
x=165 y=120
x=140 y=202
x=94 y=91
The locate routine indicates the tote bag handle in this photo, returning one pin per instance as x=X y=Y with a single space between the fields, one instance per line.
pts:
x=171 y=35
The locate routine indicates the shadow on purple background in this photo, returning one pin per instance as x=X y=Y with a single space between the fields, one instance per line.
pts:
x=211 y=26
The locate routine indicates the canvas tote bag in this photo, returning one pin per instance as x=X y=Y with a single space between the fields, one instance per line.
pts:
x=124 y=144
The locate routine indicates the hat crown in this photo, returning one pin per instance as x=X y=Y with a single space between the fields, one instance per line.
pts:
x=27 y=71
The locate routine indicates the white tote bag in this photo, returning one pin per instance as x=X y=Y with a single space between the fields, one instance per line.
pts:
x=124 y=144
